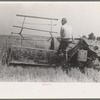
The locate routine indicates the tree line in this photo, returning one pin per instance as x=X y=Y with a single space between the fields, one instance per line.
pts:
x=91 y=36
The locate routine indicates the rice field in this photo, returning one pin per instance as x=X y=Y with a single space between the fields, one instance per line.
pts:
x=47 y=74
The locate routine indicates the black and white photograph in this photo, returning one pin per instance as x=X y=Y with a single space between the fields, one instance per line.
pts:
x=50 y=42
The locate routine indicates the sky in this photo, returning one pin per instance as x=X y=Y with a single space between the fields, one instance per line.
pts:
x=84 y=17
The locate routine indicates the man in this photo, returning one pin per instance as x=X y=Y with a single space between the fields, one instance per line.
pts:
x=66 y=36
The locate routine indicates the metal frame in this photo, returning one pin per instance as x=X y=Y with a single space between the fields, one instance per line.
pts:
x=27 y=16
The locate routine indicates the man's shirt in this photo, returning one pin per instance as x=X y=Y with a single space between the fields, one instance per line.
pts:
x=66 y=31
